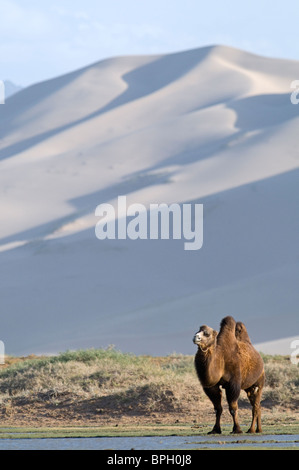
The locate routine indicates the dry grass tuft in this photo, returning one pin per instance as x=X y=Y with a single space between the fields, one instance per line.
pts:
x=98 y=382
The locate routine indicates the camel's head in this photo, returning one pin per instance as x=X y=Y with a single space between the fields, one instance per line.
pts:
x=205 y=337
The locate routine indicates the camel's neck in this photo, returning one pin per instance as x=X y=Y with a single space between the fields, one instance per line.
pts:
x=208 y=365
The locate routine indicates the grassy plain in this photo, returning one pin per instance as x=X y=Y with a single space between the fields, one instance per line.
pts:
x=92 y=393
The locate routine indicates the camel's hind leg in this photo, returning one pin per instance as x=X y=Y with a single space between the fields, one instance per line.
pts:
x=215 y=395
x=254 y=394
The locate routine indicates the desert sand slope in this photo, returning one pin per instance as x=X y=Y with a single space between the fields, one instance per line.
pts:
x=213 y=125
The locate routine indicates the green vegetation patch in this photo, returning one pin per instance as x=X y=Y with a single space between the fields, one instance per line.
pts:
x=133 y=431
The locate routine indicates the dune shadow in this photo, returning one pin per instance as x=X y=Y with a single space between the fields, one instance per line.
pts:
x=30 y=96
x=87 y=204
x=128 y=186
x=252 y=113
x=141 y=82
x=263 y=111
x=149 y=78
x=194 y=154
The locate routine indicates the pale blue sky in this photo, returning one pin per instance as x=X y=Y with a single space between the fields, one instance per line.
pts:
x=42 y=39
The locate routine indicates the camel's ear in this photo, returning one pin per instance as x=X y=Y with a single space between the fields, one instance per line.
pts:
x=215 y=333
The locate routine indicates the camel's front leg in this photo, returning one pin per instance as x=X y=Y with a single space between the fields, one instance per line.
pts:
x=215 y=395
x=232 y=395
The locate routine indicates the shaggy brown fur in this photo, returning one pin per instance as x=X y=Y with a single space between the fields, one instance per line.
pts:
x=229 y=360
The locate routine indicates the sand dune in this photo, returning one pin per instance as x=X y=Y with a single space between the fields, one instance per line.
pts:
x=214 y=126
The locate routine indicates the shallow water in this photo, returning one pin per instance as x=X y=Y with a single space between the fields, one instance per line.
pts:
x=153 y=443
